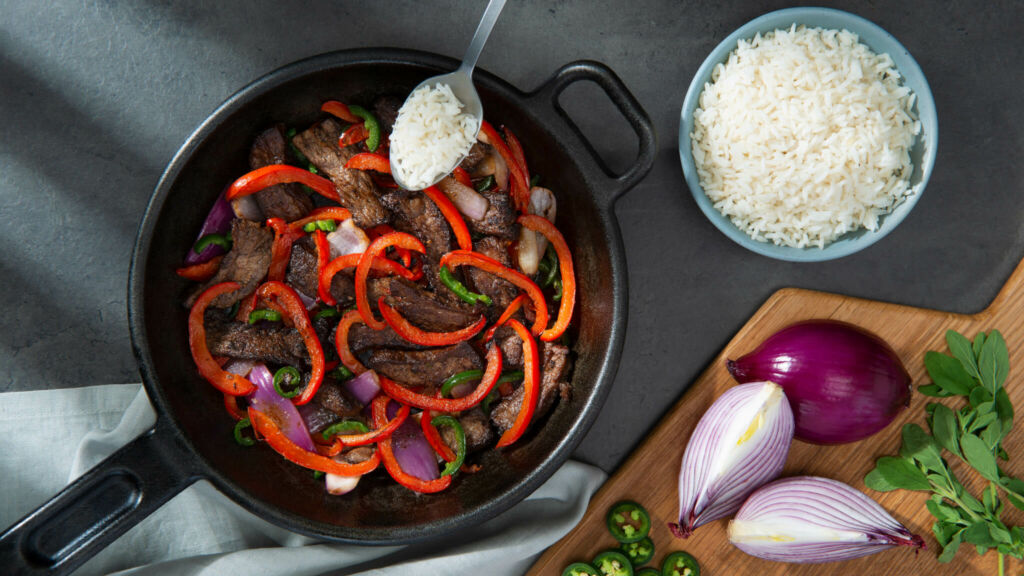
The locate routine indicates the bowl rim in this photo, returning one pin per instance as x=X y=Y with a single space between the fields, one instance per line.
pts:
x=904 y=63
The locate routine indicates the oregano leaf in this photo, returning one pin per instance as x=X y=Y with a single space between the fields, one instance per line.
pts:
x=948 y=373
x=960 y=346
x=979 y=456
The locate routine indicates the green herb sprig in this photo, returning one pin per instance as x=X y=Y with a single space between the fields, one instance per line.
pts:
x=973 y=433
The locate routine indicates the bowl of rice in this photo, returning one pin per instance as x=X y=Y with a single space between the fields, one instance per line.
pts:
x=808 y=134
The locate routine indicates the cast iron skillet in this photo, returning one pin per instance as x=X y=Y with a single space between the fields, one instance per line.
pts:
x=192 y=438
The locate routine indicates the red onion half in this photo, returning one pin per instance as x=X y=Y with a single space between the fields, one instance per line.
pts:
x=807 y=519
x=843 y=383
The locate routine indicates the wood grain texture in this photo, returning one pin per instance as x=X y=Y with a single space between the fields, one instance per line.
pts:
x=650 y=475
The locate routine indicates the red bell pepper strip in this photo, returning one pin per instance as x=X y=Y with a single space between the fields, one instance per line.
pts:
x=459 y=257
x=231 y=405
x=451 y=214
x=416 y=335
x=520 y=187
x=200 y=272
x=531 y=386
x=348 y=359
x=376 y=248
x=281 y=249
x=280 y=174
x=416 y=400
x=395 y=469
x=245 y=307
x=543 y=226
x=462 y=176
x=381 y=265
x=226 y=382
x=323 y=213
x=377 y=434
x=335 y=108
x=434 y=437
x=323 y=257
x=381 y=229
x=266 y=426
x=295 y=310
x=511 y=309
x=369 y=161
x=517 y=152
x=355 y=134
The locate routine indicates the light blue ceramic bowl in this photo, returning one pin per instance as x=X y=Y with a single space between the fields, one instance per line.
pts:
x=922 y=154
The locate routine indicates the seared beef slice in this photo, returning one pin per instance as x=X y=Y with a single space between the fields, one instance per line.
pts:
x=286 y=201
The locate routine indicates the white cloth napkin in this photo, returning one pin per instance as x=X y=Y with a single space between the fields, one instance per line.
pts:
x=52 y=437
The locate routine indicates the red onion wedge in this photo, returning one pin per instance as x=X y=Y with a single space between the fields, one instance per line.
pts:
x=412 y=451
x=340 y=485
x=469 y=202
x=364 y=387
x=218 y=221
x=279 y=409
x=247 y=208
x=740 y=443
x=807 y=519
x=531 y=244
x=348 y=239
x=843 y=382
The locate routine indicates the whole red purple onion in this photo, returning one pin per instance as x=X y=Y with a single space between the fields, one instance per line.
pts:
x=843 y=382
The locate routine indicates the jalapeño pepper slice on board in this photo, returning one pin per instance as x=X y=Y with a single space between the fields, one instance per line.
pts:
x=613 y=563
x=580 y=569
x=647 y=572
x=628 y=522
x=680 y=564
x=639 y=553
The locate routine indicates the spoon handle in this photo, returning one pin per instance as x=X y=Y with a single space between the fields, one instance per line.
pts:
x=483 y=30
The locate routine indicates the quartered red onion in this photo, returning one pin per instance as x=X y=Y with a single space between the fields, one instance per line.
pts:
x=364 y=387
x=279 y=409
x=531 y=244
x=412 y=451
x=348 y=239
x=807 y=519
x=247 y=208
x=218 y=221
x=340 y=485
x=843 y=383
x=740 y=443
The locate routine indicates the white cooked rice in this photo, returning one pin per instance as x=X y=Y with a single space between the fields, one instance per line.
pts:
x=430 y=135
x=804 y=135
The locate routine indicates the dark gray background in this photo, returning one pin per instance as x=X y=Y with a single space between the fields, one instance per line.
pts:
x=95 y=97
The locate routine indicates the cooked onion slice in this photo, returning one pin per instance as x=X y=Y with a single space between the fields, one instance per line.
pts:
x=468 y=201
x=348 y=239
x=278 y=408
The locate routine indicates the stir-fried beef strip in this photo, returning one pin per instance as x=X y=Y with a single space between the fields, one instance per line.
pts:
x=303 y=274
x=421 y=307
x=361 y=337
x=358 y=192
x=511 y=348
x=414 y=213
x=555 y=366
x=422 y=367
x=479 y=433
x=333 y=396
x=385 y=108
x=500 y=218
x=286 y=201
x=476 y=156
x=502 y=292
x=247 y=263
x=268 y=342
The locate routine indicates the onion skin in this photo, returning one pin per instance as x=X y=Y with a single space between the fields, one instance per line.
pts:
x=740 y=443
x=843 y=383
x=790 y=520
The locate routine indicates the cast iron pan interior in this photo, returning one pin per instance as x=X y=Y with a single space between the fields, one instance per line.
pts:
x=379 y=511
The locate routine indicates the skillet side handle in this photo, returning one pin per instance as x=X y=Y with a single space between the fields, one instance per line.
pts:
x=628 y=106
x=95 y=509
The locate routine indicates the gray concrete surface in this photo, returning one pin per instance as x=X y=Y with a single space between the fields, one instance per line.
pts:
x=95 y=98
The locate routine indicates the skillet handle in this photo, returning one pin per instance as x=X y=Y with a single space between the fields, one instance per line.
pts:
x=628 y=106
x=95 y=509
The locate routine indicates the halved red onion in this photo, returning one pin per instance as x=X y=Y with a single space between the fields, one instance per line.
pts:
x=843 y=382
x=467 y=200
x=316 y=417
x=348 y=239
x=218 y=221
x=364 y=387
x=279 y=409
x=340 y=485
x=808 y=519
x=247 y=208
x=740 y=443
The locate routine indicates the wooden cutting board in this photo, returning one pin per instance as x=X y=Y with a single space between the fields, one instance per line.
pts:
x=650 y=475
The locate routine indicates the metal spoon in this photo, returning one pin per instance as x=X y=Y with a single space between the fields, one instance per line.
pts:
x=461 y=82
